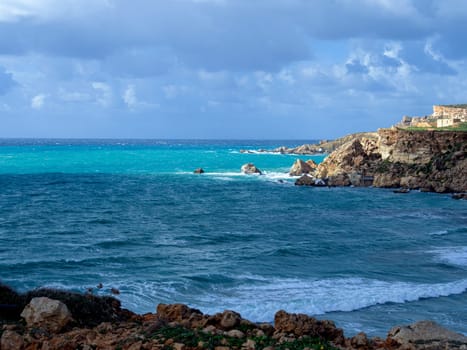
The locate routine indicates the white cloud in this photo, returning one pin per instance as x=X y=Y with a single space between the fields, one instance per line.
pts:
x=129 y=96
x=14 y=10
x=104 y=96
x=37 y=102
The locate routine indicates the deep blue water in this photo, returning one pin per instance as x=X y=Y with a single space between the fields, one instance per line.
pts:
x=132 y=215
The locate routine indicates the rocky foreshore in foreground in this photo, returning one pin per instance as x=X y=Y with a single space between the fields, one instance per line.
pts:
x=48 y=319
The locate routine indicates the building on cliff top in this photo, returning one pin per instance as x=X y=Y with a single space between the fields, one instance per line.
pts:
x=443 y=116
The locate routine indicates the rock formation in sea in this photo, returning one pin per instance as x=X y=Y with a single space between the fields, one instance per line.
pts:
x=50 y=325
x=250 y=168
x=301 y=167
x=427 y=160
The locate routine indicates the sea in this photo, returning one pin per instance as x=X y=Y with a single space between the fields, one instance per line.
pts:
x=132 y=215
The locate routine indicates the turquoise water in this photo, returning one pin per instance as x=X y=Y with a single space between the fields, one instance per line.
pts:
x=132 y=215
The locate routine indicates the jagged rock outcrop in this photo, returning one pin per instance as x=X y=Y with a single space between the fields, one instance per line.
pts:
x=300 y=167
x=250 y=168
x=51 y=315
x=430 y=160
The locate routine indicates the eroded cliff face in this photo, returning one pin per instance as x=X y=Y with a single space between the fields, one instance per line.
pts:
x=429 y=160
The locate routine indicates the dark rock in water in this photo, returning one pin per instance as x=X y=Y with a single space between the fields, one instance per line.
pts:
x=459 y=196
x=427 y=335
x=199 y=171
x=250 y=168
x=402 y=190
x=305 y=180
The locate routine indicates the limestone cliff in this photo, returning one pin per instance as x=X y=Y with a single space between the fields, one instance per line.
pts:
x=430 y=160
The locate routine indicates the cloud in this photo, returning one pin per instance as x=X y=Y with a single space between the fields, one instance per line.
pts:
x=37 y=102
x=129 y=96
x=104 y=93
x=6 y=81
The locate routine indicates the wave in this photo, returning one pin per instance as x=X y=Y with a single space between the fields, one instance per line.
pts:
x=439 y=233
x=270 y=153
x=452 y=255
x=258 y=299
x=230 y=175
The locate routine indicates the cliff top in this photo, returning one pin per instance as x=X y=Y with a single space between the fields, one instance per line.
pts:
x=463 y=106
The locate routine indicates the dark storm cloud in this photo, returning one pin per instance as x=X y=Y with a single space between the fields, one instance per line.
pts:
x=233 y=35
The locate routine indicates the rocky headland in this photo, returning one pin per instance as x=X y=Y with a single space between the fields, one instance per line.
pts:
x=324 y=146
x=48 y=319
x=429 y=160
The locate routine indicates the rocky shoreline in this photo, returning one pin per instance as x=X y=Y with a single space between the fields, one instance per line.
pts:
x=53 y=319
x=426 y=160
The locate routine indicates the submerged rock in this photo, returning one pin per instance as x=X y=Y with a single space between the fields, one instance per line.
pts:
x=199 y=171
x=250 y=168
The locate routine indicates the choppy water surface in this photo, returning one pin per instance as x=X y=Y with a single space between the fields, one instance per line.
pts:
x=131 y=215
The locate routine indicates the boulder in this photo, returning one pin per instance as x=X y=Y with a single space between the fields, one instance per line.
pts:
x=459 y=196
x=49 y=314
x=11 y=341
x=250 y=168
x=427 y=335
x=180 y=314
x=199 y=171
x=300 y=167
x=300 y=325
x=230 y=319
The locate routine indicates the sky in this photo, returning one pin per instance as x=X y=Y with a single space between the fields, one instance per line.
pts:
x=226 y=69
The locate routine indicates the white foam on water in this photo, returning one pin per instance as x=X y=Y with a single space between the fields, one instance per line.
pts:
x=259 y=300
x=438 y=233
x=275 y=175
x=451 y=255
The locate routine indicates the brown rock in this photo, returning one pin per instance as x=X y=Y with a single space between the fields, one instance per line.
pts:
x=235 y=333
x=427 y=335
x=250 y=168
x=230 y=319
x=177 y=313
x=305 y=180
x=199 y=171
x=178 y=346
x=250 y=344
x=11 y=341
x=300 y=167
x=360 y=341
x=428 y=159
x=300 y=324
x=46 y=313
